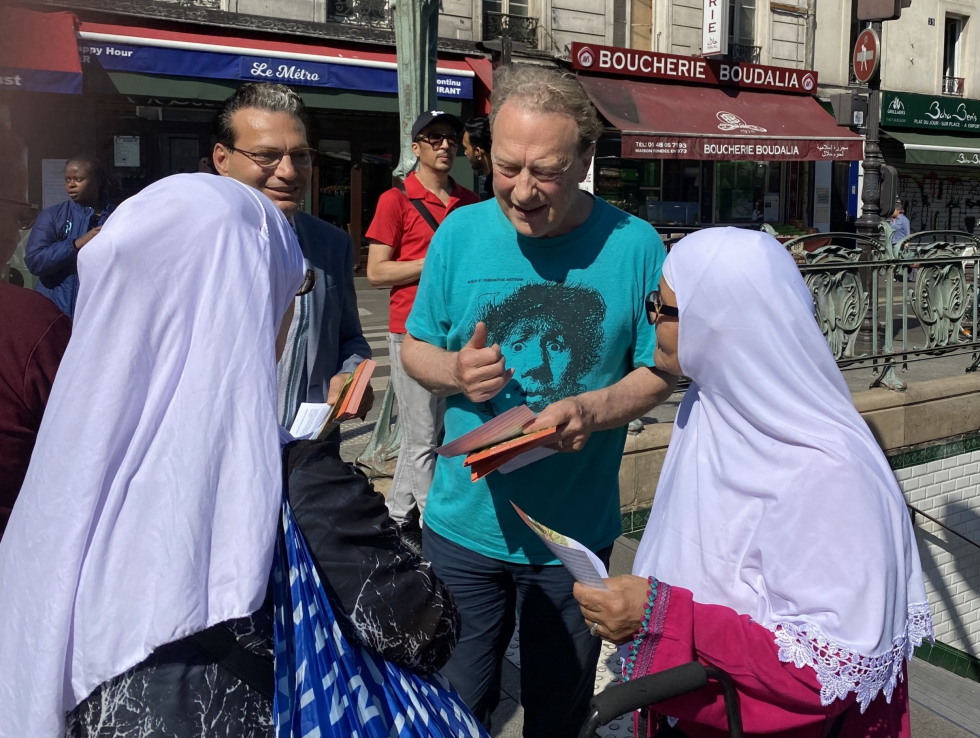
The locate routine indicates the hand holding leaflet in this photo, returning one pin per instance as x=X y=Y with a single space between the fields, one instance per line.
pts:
x=318 y=419
x=582 y=564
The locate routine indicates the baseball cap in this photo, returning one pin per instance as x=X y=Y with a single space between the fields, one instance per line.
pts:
x=432 y=116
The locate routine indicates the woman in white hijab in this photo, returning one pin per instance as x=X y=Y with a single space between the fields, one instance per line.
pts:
x=136 y=562
x=779 y=547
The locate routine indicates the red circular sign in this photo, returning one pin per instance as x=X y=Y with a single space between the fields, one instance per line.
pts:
x=867 y=55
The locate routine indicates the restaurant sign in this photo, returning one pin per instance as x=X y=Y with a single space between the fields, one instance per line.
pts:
x=696 y=70
x=935 y=113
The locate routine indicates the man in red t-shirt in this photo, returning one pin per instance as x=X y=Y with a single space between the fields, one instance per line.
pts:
x=405 y=219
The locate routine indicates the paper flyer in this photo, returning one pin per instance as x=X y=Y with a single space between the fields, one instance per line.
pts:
x=581 y=563
x=309 y=419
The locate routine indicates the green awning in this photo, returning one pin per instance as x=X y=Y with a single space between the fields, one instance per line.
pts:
x=930 y=148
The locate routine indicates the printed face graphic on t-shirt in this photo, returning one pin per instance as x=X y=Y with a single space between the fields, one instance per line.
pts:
x=550 y=334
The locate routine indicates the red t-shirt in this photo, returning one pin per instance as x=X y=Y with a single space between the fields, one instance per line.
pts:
x=33 y=337
x=399 y=225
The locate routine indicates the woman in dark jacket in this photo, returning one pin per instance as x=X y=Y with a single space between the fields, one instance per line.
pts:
x=61 y=230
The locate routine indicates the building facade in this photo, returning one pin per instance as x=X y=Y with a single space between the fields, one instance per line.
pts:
x=930 y=102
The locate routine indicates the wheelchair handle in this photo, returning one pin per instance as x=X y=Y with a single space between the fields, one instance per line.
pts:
x=664 y=685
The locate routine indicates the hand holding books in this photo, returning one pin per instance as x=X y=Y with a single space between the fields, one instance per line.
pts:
x=573 y=419
x=481 y=370
x=317 y=420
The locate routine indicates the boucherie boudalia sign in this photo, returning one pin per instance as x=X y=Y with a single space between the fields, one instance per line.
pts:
x=654 y=65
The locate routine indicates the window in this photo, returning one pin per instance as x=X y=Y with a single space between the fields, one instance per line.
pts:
x=741 y=22
x=511 y=7
x=641 y=25
x=744 y=188
x=952 y=75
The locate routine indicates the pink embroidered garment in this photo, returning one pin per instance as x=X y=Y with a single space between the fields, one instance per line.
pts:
x=776 y=511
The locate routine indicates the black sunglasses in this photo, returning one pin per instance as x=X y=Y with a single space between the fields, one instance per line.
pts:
x=435 y=139
x=655 y=307
x=309 y=282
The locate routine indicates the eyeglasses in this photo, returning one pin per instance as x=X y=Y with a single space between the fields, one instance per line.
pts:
x=309 y=282
x=26 y=212
x=435 y=139
x=655 y=308
x=301 y=158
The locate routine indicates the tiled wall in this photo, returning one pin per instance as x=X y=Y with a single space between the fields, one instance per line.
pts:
x=943 y=481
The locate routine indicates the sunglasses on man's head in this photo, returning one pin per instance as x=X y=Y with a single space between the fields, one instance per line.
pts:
x=309 y=282
x=655 y=307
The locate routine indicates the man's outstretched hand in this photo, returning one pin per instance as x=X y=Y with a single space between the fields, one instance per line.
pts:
x=480 y=371
x=573 y=418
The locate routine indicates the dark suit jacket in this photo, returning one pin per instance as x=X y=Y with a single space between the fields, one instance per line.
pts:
x=336 y=343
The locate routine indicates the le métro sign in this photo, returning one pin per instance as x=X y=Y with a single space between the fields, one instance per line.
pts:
x=697 y=70
x=866 y=55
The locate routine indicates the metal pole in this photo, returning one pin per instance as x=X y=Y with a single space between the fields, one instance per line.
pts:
x=416 y=35
x=867 y=224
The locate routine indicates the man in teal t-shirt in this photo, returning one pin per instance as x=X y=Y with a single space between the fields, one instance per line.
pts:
x=536 y=298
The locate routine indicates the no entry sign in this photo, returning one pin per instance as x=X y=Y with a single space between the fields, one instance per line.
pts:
x=867 y=55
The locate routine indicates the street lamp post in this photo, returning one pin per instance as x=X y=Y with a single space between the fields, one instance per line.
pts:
x=416 y=35
x=867 y=224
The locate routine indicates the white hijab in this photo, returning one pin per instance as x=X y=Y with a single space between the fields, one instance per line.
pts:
x=149 y=511
x=774 y=499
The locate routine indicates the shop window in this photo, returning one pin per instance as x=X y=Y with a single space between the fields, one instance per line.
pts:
x=747 y=191
x=952 y=74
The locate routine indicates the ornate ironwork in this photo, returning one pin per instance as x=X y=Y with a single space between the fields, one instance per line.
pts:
x=371 y=13
x=212 y=4
x=744 y=53
x=520 y=28
x=940 y=294
x=953 y=86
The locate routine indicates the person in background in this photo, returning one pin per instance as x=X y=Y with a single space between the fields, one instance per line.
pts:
x=899 y=223
x=63 y=229
x=404 y=222
x=531 y=299
x=262 y=140
x=33 y=337
x=476 y=147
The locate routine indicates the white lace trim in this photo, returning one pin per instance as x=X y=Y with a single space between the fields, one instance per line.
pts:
x=841 y=671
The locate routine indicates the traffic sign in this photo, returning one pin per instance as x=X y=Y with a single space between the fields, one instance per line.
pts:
x=867 y=55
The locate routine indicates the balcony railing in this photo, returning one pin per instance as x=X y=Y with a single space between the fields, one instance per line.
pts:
x=370 y=13
x=953 y=86
x=519 y=28
x=210 y=4
x=744 y=53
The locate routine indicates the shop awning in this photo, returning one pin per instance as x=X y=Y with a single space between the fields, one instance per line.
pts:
x=929 y=148
x=38 y=52
x=670 y=121
x=152 y=51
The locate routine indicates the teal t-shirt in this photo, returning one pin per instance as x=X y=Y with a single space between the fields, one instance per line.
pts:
x=568 y=313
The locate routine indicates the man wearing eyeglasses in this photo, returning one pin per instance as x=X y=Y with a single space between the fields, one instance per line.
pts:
x=405 y=220
x=33 y=336
x=262 y=141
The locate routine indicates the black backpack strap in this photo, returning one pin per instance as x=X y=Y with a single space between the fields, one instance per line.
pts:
x=423 y=210
x=221 y=645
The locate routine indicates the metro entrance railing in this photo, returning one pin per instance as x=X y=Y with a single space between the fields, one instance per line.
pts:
x=884 y=305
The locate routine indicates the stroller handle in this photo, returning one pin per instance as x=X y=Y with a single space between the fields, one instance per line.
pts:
x=648 y=690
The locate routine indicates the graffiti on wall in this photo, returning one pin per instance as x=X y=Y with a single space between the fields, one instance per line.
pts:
x=940 y=201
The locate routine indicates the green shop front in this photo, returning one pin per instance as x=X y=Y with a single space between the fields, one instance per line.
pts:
x=693 y=141
x=934 y=142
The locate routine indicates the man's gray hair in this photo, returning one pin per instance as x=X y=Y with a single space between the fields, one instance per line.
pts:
x=546 y=90
x=268 y=96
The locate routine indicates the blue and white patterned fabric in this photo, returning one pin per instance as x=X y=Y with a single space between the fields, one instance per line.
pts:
x=329 y=686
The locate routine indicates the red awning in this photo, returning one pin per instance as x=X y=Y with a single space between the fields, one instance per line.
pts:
x=670 y=121
x=38 y=51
